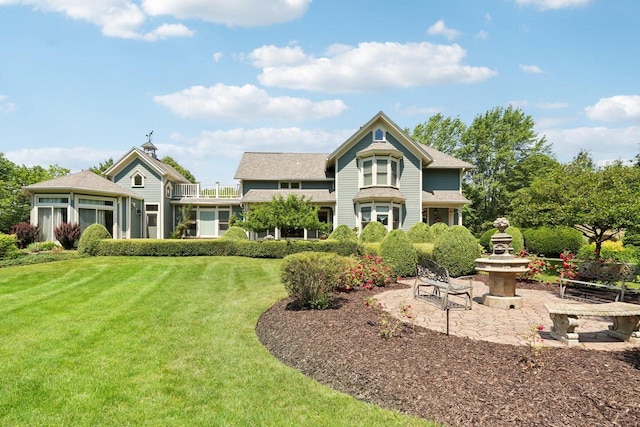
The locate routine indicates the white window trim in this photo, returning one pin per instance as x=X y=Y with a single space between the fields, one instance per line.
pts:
x=374 y=213
x=384 y=134
x=288 y=185
x=133 y=179
x=374 y=171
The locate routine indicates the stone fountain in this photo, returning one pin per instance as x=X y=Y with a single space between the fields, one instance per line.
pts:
x=502 y=267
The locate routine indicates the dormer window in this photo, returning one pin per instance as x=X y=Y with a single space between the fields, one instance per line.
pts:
x=289 y=185
x=379 y=171
x=137 y=180
x=378 y=135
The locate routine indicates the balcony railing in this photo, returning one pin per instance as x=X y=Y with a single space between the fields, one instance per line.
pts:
x=219 y=191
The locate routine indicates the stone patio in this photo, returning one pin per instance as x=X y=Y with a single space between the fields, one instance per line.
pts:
x=500 y=326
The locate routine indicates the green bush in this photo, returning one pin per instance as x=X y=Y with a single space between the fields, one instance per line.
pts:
x=25 y=233
x=485 y=239
x=373 y=232
x=7 y=245
x=41 y=246
x=457 y=250
x=397 y=250
x=90 y=239
x=437 y=229
x=552 y=241
x=631 y=238
x=424 y=251
x=517 y=243
x=370 y=249
x=420 y=232
x=343 y=232
x=311 y=277
x=235 y=233
x=611 y=252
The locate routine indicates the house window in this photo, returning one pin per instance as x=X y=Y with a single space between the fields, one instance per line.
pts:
x=383 y=168
x=286 y=185
x=223 y=221
x=137 y=180
x=96 y=211
x=378 y=135
x=387 y=214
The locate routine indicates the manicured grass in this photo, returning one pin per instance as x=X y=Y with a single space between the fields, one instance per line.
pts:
x=154 y=341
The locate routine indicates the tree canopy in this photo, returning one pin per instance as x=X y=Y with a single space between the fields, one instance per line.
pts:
x=103 y=166
x=287 y=214
x=15 y=206
x=183 y=171
x=600 y=202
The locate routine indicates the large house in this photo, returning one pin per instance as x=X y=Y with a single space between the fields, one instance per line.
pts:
x=378 y=174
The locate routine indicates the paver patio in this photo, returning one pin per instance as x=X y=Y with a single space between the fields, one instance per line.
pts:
x=500 y=326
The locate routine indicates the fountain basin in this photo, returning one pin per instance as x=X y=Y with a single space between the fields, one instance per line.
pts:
x=502 y=280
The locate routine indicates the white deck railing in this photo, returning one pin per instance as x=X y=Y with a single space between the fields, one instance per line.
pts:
x=219 y=191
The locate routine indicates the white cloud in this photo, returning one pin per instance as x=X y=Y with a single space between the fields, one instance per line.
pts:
x=615 y=109
x=367 y=67
x=125 y=18
x=531 y=69
x=7 y=106
x=217 y=56
x=412 y=110
x=553 y=4
x=552 y=105
x=165 y=31
x=441 y=29
x=75 y=159
x=242 y=13
x=488 y=18
x=482 y=35
x=605 y=144
x=245 y=103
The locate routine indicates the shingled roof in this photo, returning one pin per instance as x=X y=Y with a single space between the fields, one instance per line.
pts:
x=282 y=167
x=444 y=196
x=159 y=166
x=379 y=193
x=85 y=181
x=445 y=161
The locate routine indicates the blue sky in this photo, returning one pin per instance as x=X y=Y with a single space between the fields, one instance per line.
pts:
x=82 y=81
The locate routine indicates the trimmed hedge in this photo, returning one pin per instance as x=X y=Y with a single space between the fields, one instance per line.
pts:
x=235 y=233
x=343 y=232
x=397 y=250
x=373 y=232
x=424 y=251
x=91 y=238
x=7 y=245
x=517 y=243
x=457 y=250
x=420 y=232
x=552 y=241
x=221 y=247
x=437 y=229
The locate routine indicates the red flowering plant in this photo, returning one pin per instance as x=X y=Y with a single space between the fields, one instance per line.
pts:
x=367 y=271
x=569 y=268
x=537 y=266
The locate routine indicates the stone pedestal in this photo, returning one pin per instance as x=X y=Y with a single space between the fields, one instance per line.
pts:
x=502 y=303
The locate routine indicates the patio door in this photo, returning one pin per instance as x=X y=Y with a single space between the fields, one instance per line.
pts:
x=151 y=217
x=208 y=223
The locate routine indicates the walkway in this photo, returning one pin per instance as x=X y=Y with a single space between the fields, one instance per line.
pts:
x=500 y=326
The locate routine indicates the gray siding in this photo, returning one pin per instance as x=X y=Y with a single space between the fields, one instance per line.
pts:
x=258 y=185
x=152 y=190
x=441 y=179
x=410 y=188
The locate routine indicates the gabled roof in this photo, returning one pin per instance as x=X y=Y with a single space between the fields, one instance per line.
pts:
x=384 y=120
x=282 y=167
x=430 y=157
x=85 y=182
x=160 y=167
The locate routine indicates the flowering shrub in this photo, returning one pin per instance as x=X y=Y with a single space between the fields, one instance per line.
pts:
x=25 y=233
x=367 y=271
x=569 y=268
x=537 y=266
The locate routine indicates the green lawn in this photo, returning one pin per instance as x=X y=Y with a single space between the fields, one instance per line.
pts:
x=154 y=341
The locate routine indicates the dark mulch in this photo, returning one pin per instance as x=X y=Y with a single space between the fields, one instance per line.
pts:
x=452 y=380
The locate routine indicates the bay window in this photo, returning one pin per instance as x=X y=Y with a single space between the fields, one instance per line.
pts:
x=388 y=214
x=379 y=171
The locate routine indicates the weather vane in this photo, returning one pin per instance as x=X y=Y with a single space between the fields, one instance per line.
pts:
x=149 y=136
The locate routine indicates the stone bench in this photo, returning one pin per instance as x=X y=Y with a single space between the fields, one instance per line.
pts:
x=626 y=319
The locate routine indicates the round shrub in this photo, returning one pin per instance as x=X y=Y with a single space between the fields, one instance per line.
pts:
x=485 y=239
x=437 y=229
x=397 y=250
x=235 y=233
x=631 y=238
x=420 y=232
x=343 y=232
x=90 y=238
x=7 y=245
x=552 y=241
x=311 y=277
x=373 y=232
x=424 y=251
x=457 y=250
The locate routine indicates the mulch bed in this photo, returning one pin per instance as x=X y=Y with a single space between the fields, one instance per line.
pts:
x=449 y=379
